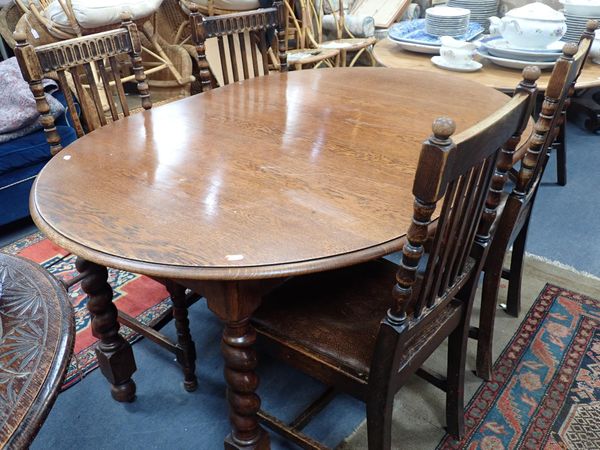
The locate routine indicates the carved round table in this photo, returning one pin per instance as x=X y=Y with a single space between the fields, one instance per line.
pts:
x=36 y=341
x=227 y=191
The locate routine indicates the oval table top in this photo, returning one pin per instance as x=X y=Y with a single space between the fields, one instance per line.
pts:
x=274 y=176
x=504 y=79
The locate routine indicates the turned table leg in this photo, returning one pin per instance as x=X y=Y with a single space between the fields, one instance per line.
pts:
x=234 y=303
x=114 y=353
x=186 y=357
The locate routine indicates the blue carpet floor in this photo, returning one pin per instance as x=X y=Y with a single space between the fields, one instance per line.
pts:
x=164 y=416
x=565 y=227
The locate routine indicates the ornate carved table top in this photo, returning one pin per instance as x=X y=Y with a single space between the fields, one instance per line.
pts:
x=273 y=176
x=36 y=341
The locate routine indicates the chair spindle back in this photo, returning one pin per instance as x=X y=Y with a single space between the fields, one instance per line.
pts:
x=468 y=173
x=83 y=61
x=228 y=29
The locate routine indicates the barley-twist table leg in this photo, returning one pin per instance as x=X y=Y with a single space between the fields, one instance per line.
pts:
x=114 y=353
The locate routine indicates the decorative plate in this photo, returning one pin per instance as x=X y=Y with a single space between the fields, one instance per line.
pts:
x=417 y=48
x=414 y=31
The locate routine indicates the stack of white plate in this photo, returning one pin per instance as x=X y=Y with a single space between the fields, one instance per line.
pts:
x=576 y=25
x=481 y=10
x=445 y=21
x=502 y=53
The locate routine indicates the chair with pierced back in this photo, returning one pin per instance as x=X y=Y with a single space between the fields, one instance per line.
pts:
x=81 y=62
x=358 y=331
x=243 y=44
x=514 y=221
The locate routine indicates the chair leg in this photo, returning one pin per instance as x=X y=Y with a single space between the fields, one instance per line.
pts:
x=186 y=357
x=455 y=408
x=513 y=299
x=379 y=421
x=487 y=316
x=561 y=156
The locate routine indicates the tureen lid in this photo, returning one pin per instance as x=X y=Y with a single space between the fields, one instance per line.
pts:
x=536 y=11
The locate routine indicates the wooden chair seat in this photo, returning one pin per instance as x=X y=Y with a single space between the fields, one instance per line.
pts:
x=349 y=44
x=301 y=56
x=334 y=314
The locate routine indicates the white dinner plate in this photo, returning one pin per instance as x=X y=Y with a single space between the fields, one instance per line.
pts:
x=515 y=63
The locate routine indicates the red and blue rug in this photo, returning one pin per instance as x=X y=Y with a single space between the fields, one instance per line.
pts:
x=545 y=390
x=135 y=295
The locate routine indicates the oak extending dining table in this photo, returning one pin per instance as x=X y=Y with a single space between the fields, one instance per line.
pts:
x=231 y=191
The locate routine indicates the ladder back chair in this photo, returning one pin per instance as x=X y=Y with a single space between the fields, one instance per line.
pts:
x=231 y=32
x=514 y=221
x=83 y=61
x=358 y=331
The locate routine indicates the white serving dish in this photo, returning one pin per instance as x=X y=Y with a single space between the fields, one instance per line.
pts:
x=533 y=26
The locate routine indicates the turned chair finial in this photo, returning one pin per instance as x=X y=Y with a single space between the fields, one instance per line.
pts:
x=570 y=49
x=531 y=74
x=443 y=128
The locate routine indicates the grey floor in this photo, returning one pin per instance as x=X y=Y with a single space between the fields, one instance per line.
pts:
x=565 y=227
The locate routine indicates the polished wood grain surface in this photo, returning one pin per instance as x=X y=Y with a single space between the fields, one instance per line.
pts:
x=390 y=55
x=279 y=175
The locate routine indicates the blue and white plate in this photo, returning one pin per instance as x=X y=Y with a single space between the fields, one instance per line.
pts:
x=414 y=31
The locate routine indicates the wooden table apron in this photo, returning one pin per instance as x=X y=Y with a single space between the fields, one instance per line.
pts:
x=275 y=176
x=504 y=79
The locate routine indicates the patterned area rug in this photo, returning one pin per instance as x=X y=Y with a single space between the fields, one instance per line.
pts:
x=545 y=391
x=135 y=295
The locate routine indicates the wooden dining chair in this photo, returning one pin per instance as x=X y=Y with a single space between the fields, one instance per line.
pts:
x=83 y=62
x=514 y=221
x=358 y=331
x=238 y=61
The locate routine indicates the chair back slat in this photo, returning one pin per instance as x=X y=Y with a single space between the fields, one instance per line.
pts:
x=81 y=62
x=114 y=67
x=64 y=87
x=257 y=25
x=262 y=45
x=253 y=53
x=86 y=111
x=91 y=82
x=233 y=58
x=223 y=59
x=461 y=173
x=244 y=55
x=107 y=89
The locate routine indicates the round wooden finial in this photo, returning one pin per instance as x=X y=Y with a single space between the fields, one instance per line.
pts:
x=531 y=73
x=443 y=127
x=20 y=36
x=591 y=25
x=126 y=16
x=193 y=8
x=570 y=49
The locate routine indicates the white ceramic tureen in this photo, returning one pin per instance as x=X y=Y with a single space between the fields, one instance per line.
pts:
x=533 y=26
